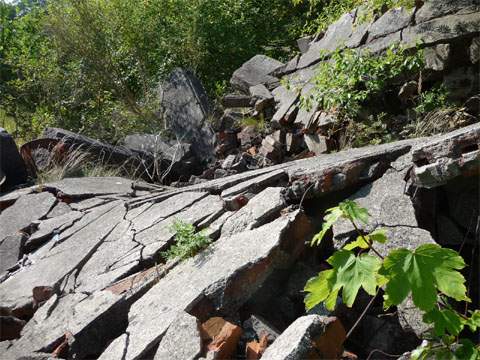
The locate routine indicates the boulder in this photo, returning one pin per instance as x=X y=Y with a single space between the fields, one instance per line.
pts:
x=186 y=110
x=12 y=168
x=438 y=8
x=257 y=70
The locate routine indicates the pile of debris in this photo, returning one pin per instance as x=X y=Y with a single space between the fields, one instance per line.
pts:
x=82 y=274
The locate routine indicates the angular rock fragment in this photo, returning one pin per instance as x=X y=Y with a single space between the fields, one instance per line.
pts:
x=256 y=71
x=437 y=57
x=259 y=210
x=255 y=349
x=11 y=251
x=261 y=328
x=272 y=149
x=285 y=99
x=90 y=319
x=223 y=336
x=236 y=101
x=24 y=212
x=224 y=284
x=261 y=96
x=392 y=21
x=446 y=157
x=182 y=340
x=316 y=143
x=308 y=336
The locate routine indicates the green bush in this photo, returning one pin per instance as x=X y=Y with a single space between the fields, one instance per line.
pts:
x=349 y=79
x=188 y=242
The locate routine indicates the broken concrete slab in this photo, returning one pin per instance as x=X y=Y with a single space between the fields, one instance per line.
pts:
x=209 y=278
x=182 y=340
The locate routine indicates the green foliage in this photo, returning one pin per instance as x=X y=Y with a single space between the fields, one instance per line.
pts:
x=348 y=273
x=188 y=242
x=350 y=78
x=430 y=274
x=322 y=13
x=433 y=99
x=93 y=66
x=258 y=123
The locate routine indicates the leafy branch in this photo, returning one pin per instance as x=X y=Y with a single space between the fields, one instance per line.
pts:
x=429 y=274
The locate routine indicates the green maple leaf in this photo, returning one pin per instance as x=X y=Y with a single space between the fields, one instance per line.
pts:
x=349 y=273
x=473 y=322
x=423 y=272
x=331 y=217
x=353 y=211
x=444 y=321
x=363 y=242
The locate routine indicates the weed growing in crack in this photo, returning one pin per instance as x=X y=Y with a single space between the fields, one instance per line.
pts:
x=188 y=242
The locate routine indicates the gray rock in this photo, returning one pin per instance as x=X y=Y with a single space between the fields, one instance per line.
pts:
x=336 y=35
x=187 y=109
x=259 y=210
x=437 y=57
x=11 y=164
x=443 y=29
x=10 y=251
x=228 y=162
x=285 y=100
x=99 y=151
x=462 y=82
x=208 y=277
x=236 y=101
x=182 y=340
x=304 y=43
x=79 y=188
x=297 y=341
x=272 y=149
x=438 y=8
x=71 y=250
x=59 y=209
x=256 y=71
x=91 y=319
x=24 y=212
x=261 y=96
x=475 y=50
x=316 y=143
x=261 y=327
x=446 y=157
x=392 y=21
x=294 y=143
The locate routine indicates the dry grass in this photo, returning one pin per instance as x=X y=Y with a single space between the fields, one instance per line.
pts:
x=76 y=163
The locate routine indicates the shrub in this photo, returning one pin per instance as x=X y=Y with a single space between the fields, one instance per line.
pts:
x=349 y=79
x=188 y=242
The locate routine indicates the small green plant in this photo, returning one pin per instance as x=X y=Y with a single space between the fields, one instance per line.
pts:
x=258 y=123
x=433 y=99
x=350 y=78
x=430 y=274
x=188 y=242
